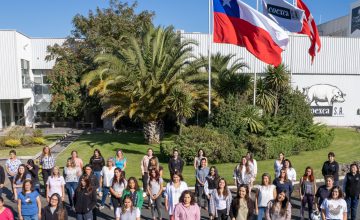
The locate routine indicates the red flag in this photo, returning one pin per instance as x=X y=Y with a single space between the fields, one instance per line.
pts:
x=310 y=29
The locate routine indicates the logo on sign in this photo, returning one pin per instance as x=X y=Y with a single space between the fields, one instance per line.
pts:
x=279 y=11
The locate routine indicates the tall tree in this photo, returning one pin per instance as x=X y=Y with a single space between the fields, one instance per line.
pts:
x=101 y=31
x=148 y=79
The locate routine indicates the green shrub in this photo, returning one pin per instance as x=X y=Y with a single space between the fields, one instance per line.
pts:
x=39 y=140
x=26 y=140
x=2 y=141
x=218 y=147
x=16 y=132
x=12 y=143
x=37 y=133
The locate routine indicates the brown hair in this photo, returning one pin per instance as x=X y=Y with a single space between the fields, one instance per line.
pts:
x=225 y=191
x=181 y=199
x=43 y=151
x=88 y=186
x=135 y=181
x=311 y=178
x=284 y=204
x=341 y=194
x=23 y=186
x=177 y=173
x=72 y=162
x=121 y=180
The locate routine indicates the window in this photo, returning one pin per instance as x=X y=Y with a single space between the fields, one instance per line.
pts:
x=25 y=76
x=42 y=85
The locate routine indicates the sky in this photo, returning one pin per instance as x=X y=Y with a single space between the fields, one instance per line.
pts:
x=52 y=18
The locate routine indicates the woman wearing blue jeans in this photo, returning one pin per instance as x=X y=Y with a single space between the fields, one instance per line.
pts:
x=71 y=175
x=265 y=192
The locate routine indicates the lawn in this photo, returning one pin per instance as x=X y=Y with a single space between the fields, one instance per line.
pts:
x=31 y=149
x=346 y=146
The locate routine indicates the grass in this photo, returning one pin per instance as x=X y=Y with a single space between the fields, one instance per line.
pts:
x=346 y=146
x=29 y=150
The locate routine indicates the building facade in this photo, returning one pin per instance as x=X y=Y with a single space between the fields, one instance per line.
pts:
x=24 y=90
x=331 y=84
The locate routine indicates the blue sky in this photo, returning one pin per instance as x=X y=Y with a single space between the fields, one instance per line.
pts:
x=52 y=18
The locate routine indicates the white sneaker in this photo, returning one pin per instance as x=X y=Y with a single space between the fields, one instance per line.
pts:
x=112 y=207
x=100 y=194
x=101 y=207
x=144 y=194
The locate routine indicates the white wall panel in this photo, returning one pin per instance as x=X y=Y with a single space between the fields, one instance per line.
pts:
x=39 y=52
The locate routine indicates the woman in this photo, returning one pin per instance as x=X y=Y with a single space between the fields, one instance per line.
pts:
x=29 y=204
x=252 y=162
x=33 y=170
x=266 y=192
x=352 y=189
x=279 y=208
x=11 y=166
x=335 y=206
x=323 y=191
x=175 y=164
x=242 y=207
x=84 y=199
x=19 y=180
x=278 y=164
x=72 y=174
x=133 y=190
x=211 y=185
x=331 y=168
x=187 y=208
x=120 y=160
x=97 y=162
x=107 y=173
x=155 y=189
x=220 y=201
x=282 y=183
x=55 y=209
x=154 y=163
x=128 y=211
x=55 y=184
x=307 y=191
x=290 y=171
x=243 y=173
x=173 y=192
x=5 y=213
x=201 y=174
x=47 y=162
x=117 y=185
x=197 y=160
x=78 y=161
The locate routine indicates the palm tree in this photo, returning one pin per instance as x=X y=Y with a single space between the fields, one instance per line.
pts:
x=277 y=80
x=264 y=97
x=149 y=78
x=250 y=117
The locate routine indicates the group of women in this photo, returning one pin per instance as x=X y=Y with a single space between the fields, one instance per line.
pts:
x=84 y=183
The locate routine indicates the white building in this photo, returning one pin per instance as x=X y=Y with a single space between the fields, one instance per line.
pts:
x=23 y=84
x=332 y=83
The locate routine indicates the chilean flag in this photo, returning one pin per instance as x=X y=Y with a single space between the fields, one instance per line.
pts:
x=237 y=23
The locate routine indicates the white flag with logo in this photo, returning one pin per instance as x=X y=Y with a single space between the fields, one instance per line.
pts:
x=284 y=14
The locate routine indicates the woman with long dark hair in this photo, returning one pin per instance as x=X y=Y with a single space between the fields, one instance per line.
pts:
x=155 y=189
x=243 y=173
x=54 y=210
x=282 y=183
x=133 y=190
x=173 y=192
x=19 y=180
x=154 y=163
x=29 y=204
x=84 y=199
x=197 y=160
x=117 y=185
x=33 y=170
x=220 y=201
x=242 y=207
x=335 y=206
x=129 y=211
x=47 y=162
x=265 y=193
x=211 y=185
x=97 y=162
x=201 y=174
x=187 y=208
x=278 y=164
x=279 y=208
x=307 y=191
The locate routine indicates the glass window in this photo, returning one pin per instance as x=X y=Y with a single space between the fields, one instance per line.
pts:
x=25 y=76
x=38 y=80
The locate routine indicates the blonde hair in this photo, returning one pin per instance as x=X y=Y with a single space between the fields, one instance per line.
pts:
x=52 y=171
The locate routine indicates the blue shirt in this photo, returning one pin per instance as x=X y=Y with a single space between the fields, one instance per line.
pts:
x=120 y=163
x=28 y=203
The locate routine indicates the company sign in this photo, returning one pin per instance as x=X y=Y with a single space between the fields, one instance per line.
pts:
x=279 y=11
x=322 y=111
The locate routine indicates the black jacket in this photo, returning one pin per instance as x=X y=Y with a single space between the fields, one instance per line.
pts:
x=93 y=181
x=84 y=201
x=331 y=169
x=176 y=165
x=47 y=215
x=352 y=185
x=34 y=172
x=2 y=175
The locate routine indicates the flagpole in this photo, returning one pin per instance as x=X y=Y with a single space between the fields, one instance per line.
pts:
x=209 y=61
x=254 y=99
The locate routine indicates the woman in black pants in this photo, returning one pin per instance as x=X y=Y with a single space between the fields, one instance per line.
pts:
x=117 y=185
x=47 y=161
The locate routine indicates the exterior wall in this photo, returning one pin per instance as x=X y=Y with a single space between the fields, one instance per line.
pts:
x=337 y=65
x=39 y=52
x=338 y=27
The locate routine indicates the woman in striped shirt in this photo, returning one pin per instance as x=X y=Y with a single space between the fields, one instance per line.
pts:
x=47 y=161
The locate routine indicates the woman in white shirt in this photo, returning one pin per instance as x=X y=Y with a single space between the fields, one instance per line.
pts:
x=266 y=192
x=290 y=171
x=107 y=173
x=335 y=206
x=278 y=164
x=128 y=211
x=252 y=162
x=55 y=184
x=72 y=174
x=173 y=192
x=220 y=201
x=117 y=185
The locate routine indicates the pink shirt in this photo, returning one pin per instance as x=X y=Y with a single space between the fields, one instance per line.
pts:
x=6 y=214
x=79 y=162
x=187 y=213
